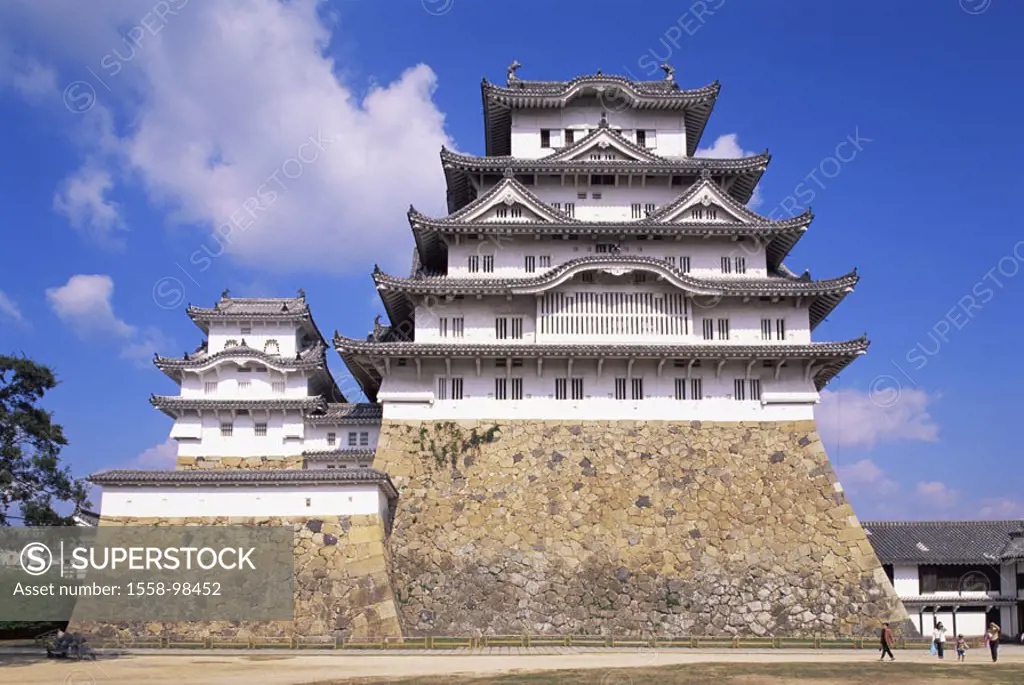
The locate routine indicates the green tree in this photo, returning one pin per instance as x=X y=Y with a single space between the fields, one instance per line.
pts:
x=32 y=478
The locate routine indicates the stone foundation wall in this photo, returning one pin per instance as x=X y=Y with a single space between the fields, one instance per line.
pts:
x=342 y=584
x=234 y=463
x=627 y=528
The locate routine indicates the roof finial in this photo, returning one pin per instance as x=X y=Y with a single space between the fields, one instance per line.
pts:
x=604 y=120
x=669 y=71
x=705 y=174
x=302 y=294
x=512 y=71
x=224 y=295
x=600 y=72
x=509 y=173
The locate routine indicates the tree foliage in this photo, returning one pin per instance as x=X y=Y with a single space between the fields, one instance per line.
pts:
x=32 y=479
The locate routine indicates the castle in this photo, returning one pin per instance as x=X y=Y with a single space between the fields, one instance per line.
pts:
x=590 y=411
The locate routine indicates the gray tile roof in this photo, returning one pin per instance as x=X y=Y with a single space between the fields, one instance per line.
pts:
x=460 y=169
x=254 y=477
x=84 y=517
x=339 y=455
x=1014 y=549
x=341 y=414
x=940 y=542
x=823 y=296
x=832 y=356
x=616 y=92
x=172 y=405
x=253 y=308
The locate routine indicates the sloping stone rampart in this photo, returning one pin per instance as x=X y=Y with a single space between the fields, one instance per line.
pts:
x=342 y=585
x=645 y=528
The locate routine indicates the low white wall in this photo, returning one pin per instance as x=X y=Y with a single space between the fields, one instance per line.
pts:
x=290 y=500
x=906 y=581
x=970 y=622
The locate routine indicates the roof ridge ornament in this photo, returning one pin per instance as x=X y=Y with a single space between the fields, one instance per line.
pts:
x=669 y=71
x=302 y=294
x=604 y=120
x=512 y=68
x=225 y=294
x=509 y=172
x=705 y=174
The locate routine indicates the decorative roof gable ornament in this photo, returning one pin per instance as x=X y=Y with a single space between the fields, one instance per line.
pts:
x=512 y=68
x=705 y=174
x=669 y=71
x=509 y=173
x=604 y=120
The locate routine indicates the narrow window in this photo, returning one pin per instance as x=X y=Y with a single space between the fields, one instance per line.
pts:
x=530 y=264
x=246 y=330
x=364 y=439
x=697 y=213
x=638 y=388
x=474 y=264
x=640 y=277
x=545 y=137
x=501 y=328
x=277 y=387
x=517 y=211
x=641 y=137
x=517 y=388
x=456 y=388
x=649 y=208
x=501 y=212
x=442 y=392
x=458 y=326
x=545 y=261
x=684 y=264
x=488 y=263
x=332 y=438
x=740 y=264
x=587 y=276
x=442 y=327
x=570 y=138
x=500 y=388
x=696 y=388
x=352 y=439
x=227 y=430
x=726 y=265
x=244 y=386
x=780 y=329
x=577 y=388
x=766 y=329
x=210 y=387
x=620 y=388
x=739 y=391
x=723 y=329
x=570 y=209
x=755 y=388
x=261 y=430
x=635 y=211
x=708 y=326
x=561 y=385
x=713 y=213
x=517 y=328
x=671 y=261
x=680 y=388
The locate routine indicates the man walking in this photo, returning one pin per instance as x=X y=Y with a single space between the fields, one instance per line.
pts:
x=886 y=643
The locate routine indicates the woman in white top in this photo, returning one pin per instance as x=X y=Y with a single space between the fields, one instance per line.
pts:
x=939 y=638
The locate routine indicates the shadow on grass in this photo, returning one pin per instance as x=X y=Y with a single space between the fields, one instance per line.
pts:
x=740 y=674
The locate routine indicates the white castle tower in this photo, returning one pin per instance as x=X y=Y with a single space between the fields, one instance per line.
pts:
x=592 y=268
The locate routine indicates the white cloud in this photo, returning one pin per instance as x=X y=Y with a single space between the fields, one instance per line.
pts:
x=937 y=494
x=224 y=98
x=852 y=418
x=866 y=476
x=84 y=304
x=162 y=456
x=9 y=309
x=83 y=199
x=728 y=146
x=1001 y=508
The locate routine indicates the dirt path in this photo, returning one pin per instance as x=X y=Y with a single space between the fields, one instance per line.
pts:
x=296 y=669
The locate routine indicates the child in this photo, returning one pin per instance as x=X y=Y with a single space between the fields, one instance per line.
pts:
x=961 y=648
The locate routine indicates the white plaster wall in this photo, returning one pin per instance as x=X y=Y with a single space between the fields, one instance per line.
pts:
x=479 y=316
x=316 y=437
x=285 y=334
x=285 y=432
x=261 y=383
x=402 y=393
x=970 y=622
x=585 y=113
x=906 y=581
x=509 y=254
x=284 y=500
x=615 y=200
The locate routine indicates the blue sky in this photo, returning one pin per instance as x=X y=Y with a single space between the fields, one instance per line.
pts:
x=134 y=128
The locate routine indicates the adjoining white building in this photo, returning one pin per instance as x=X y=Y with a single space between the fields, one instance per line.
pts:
x=259 y=388
x=592 y=268
x=965 y=574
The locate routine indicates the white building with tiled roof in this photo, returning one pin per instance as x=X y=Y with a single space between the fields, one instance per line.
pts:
x=259 y=387
x=591 y=267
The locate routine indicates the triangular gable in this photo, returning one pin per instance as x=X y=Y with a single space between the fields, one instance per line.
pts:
x=705 y=202
x=509 y=202
x=603 y=145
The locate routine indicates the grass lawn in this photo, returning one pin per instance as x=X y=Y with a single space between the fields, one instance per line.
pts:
x=979 y=673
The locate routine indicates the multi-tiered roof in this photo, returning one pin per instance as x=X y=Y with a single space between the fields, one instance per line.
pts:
x=726 y=184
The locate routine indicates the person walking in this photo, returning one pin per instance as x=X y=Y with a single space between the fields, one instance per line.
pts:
x=886 y=637
x=992 y=640
x=961 y=648
x=939 y=638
